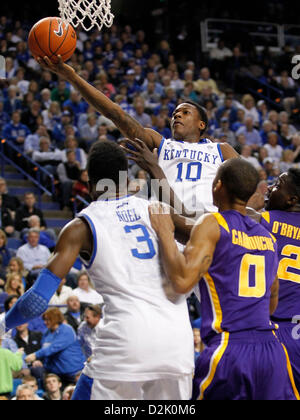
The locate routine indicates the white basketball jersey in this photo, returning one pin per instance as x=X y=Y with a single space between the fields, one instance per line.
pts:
x=145 y=333
x=190 y=169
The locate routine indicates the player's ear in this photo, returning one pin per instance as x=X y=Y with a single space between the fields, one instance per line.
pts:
x=202 y=126
x=293 y=201
x=218 y=185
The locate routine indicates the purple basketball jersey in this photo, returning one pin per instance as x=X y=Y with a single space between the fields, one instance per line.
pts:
x=235 y=293
x=285 y=226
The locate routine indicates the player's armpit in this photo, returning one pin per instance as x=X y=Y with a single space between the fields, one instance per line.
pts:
x=185 y=270
x=228 y=151
x=74 y=238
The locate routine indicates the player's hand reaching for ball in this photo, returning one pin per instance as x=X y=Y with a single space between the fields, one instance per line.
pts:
x=161 y=219
x=60 y=68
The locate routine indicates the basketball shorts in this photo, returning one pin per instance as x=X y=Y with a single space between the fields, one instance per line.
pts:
x=248 y=365
x=179 y=388
x=289 y=335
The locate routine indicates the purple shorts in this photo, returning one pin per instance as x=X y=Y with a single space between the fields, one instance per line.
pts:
x=289 y=335
x=248 y=365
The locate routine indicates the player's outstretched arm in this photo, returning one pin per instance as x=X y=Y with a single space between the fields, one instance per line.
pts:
x=74 y=238
x=128 y=126
x=185 y=270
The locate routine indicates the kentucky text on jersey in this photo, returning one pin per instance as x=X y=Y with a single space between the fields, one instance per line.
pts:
x=286 y=230
x=193 y=155
x=260 y=243
x=128 y=216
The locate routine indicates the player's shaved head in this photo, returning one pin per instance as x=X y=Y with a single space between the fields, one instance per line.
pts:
x=105 y=161
x=240 y=179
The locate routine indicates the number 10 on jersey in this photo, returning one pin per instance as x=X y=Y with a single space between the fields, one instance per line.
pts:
x=190 y=172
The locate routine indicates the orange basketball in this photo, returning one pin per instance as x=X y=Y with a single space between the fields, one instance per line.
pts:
x=52 y=37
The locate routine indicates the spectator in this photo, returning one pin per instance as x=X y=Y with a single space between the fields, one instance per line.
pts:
x=23 y=391
x=188 y=93
x=32 y=117
x=68 y=173
x=53 y=387
x=4 y=116
x=16 y=266
x=6 y=222
x=46 y=98
x=224 y=130
x=51 y=116
x=47 y=237
x=9 y=362
x=206 y=81
x=26 y=210
x=32 y=142
x=47 y=158
x=249 y=107
x=247 y=155
x=89 y=131
x=14 y=285
x=13 y=101
x=4 y=251
x=253 y=138
x=287 y=161
x=240 y=120
x=61 y=92
x=267 y=128
x=60 y=352
x=72 y=144
x=15 y=131
x=87 y=331
x=140 y=115
x=10 y=202
x=63 y=128
x=81 y=189
x=74 y=314
x=68 y=392
x=273 y=148
x=86 y=292
x=61 y=296
x=228 y=110
x=162 y=127
x=30 y=341
x=34 y=256
x=75 y=104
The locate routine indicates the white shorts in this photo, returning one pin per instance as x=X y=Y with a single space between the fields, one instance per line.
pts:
x=178 y=388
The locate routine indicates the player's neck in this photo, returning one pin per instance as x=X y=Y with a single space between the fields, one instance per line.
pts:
x=237 y=206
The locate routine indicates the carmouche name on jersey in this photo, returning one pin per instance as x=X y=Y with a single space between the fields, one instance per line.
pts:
x=194 y=155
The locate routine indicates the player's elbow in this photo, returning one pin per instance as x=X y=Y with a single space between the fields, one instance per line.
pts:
x=180 y=285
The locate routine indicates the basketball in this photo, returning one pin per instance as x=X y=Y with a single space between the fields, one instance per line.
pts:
x=52 y=37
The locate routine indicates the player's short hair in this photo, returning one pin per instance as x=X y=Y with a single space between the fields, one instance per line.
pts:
x=294 y=175
x=106 y=159
x=202 y=113
x=240 y=179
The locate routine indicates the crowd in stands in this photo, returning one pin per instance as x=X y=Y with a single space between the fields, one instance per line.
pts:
x=51 y=123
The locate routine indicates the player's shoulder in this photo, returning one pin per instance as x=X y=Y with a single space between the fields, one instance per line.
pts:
x=228 y=152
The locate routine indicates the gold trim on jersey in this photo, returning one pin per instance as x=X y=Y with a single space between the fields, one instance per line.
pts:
x=215 y=302
x=214 y=361
x=266 y=216
x=222 y=222
x=290 y=371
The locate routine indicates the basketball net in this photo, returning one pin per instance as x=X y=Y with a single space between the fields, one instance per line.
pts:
x=87 y=13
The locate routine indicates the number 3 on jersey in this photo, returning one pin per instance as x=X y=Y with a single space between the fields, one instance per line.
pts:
x=140 y=239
